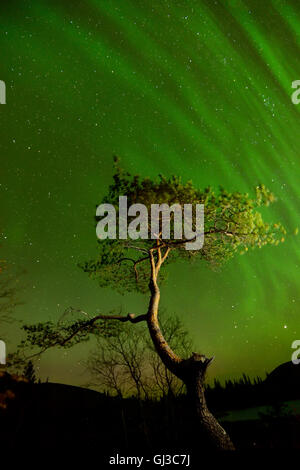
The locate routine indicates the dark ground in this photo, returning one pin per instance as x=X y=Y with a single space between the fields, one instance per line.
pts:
x=57 y=417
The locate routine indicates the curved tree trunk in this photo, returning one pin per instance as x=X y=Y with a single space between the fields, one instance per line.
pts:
x=193 y=375
x=191 y=371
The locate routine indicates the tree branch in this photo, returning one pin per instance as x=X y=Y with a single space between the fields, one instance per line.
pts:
x=130 y=317
x=135 y=263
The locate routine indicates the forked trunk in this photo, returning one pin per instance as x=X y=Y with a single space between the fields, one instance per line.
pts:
x=191 y=371
x=205 y=424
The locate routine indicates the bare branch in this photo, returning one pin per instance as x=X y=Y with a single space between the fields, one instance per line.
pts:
x=130 y=317
x=135 y=263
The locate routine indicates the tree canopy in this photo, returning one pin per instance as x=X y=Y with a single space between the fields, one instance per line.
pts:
x=233 y=223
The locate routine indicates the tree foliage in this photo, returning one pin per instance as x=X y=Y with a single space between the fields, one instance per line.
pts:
x=233 y=224
x=73 y=327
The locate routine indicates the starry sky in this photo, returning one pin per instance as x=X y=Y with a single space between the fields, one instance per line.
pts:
x=200 y=89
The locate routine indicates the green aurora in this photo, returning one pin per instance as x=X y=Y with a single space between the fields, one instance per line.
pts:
x=200 y=89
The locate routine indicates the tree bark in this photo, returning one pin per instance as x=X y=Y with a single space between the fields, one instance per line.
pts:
x=193 y=374
x=191 y=371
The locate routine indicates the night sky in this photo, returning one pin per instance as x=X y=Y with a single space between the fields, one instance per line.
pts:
x=200 y=89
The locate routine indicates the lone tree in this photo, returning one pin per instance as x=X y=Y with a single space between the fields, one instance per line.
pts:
x=233 y=224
